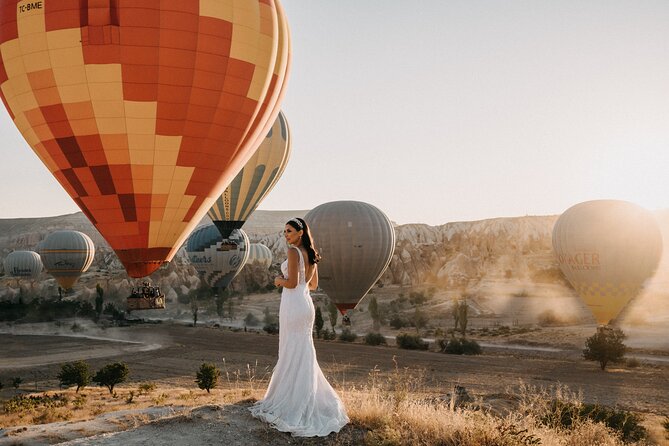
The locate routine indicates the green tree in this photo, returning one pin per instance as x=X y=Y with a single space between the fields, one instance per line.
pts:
x=75 y=373
x=419 y=319
x=99 y=301
x=318 y=322
x=220 y=301
x=194 y=309
x=111 y=374
x=460 y=309
x=207 y=376
x=269 y=318
x=16 y=382
x=605 y=346
x=333 y=314
x=373 y=308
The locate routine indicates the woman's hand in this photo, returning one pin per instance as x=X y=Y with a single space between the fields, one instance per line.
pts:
x=278 y=280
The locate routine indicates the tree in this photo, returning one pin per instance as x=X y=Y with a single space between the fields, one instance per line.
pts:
x=231 y=309
x=605 y=346
x=419 y=319
x=194 y=309
x=333 y=314
x=207 y=376
x=111 y=374
x=220 y=300
x=373 y=308
x=269 y=318
x=16 y=382
x=318 y=322
x=99 y=301
x=74 y=373
x=460 y=315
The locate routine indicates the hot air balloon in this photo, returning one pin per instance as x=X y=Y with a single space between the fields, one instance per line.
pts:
x=607 y=249
x=143 y=113
x=25 y=264
x=66 y=255
x=218 y=260
x=260 y=254
x=254 y=181
x=356 y=241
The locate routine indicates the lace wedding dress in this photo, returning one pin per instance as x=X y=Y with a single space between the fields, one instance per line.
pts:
x=299 y=399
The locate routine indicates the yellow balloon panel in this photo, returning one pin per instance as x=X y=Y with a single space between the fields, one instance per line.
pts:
x=607 y=249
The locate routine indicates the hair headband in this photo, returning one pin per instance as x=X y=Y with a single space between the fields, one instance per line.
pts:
x=297 y=222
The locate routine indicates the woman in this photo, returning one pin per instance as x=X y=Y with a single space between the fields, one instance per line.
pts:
x=299 y=399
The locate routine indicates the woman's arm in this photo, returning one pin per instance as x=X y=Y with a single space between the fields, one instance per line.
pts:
x=291 y=281
x=313 y=282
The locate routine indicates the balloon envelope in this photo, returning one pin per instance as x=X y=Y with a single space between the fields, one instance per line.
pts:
x=66 y=255
x=607 y=249
x=356 y=241
x=23 y=264
x=259 y=175
x=218 y=260
x=144 y=114
x=260 y=254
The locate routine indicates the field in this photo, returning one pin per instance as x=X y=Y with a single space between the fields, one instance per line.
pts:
x=168 y=354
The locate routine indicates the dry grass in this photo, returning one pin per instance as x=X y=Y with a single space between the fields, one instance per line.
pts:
x=391 y=408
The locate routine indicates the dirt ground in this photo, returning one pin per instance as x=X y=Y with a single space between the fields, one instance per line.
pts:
x=169 y=354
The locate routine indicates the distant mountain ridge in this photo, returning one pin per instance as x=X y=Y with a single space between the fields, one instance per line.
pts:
x=485 y=258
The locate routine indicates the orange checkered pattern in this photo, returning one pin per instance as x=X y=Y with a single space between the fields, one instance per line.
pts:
x=144 y=110
x=607 y=298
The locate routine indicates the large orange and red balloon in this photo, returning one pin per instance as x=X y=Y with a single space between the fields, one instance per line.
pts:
x=143 y=111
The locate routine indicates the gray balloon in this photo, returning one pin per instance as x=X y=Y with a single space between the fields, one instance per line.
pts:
x=66 y=255
x=23 y=264
x=356 y=241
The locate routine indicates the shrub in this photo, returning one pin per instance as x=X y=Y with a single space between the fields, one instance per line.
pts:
x=397 y=322
x=627 y=424
x=461 y=346
x=347 y=335
x=411 y=342
x=329 y=335
x=207 y=376
x=75 y=373
x=605 y=346
x=548 y=318
x=271 y=328
x=632 y=363
x=16 y=382
x=1 y=386
x=251 y=320
x=318 y=322
x=375 y=339
x=111 y=374
x=146 y=388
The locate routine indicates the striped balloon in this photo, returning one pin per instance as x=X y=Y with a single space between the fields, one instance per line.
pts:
x=259 y=175
x=260 y=254
x=23 y=264
x=66 y=255
x=218 y=260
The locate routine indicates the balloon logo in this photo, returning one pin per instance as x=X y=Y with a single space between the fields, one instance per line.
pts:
x=356 y=241
x=252 y=184
x=66 y=255
x=23 y=264
x=607 y=249
x=218 y=260
x=144 y=114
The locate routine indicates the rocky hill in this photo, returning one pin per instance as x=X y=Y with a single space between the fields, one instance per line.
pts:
x=484 y=259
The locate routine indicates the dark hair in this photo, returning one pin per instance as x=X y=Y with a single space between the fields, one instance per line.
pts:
x=307 y=240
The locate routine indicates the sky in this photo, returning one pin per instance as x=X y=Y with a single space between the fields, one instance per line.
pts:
x=438 y=111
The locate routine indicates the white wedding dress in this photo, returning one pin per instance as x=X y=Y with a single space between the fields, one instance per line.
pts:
x=299 y=399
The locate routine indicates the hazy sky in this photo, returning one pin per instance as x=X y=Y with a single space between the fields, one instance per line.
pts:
x=438 y=111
